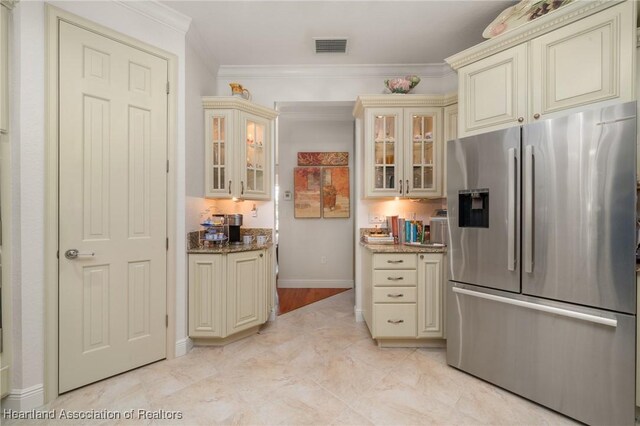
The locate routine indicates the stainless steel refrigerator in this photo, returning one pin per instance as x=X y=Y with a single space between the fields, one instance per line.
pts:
x=542 y=293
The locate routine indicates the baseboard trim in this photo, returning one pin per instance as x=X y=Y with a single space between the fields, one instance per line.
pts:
x=183 y=346
x=24 y=399
x=359 y=315
x=315 y=283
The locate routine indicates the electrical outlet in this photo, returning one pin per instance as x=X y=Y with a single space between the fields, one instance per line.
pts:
x=377 y=218
x=323 y=260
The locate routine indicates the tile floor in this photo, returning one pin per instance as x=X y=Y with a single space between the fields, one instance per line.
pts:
x=313 y=366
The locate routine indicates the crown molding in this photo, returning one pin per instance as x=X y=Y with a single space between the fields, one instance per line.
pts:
x=334 y=71
x=402 y=101
x=159 y=12
x=563 y=16
x=236 y=102
x=9 y=4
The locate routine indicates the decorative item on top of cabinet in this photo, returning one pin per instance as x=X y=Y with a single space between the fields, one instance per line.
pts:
x=403 y=144
x=579 y=56
x=238 y=148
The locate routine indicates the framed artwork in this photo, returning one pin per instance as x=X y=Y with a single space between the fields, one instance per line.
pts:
x=307 y=183
x=323 y=159
x=335 y=192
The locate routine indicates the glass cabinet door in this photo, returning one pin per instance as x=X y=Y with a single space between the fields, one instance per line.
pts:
x=218 y=137
x=384 y=143
x=256 y=159
x=422 y=164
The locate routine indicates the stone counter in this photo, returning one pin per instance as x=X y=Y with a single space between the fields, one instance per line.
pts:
x=228 y=248
x=401 y=248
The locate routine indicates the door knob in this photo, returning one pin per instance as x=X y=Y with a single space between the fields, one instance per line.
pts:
x=520 y=119
x=74 y=253
x=536 y=115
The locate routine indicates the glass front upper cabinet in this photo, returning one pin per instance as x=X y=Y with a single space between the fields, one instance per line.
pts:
x=384 y=142
x=218 y=152
x=254 y=175
x=423 y=162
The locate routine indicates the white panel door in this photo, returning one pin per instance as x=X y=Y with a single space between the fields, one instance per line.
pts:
x=430 y=318
x=245 y=290
x=581 y=63
x=493 y=92
x=112 y=203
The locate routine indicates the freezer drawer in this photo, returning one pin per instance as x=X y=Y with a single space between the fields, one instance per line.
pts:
x=575 y=360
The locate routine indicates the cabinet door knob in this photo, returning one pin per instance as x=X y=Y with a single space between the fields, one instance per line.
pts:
x=536 y=115
x=520 y=119
x=422 y=256
x=261 y=255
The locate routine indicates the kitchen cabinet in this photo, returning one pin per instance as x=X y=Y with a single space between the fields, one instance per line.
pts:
x=227 y=295
x=579 y=56
x=238 y=149
x=402 y=144
x=402 y=297
x=450 y=133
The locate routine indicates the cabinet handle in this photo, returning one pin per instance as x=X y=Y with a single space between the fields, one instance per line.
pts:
x=422 y=256
x=395 y=261
x=400 y=184
x=395 y=321
x=229 y=187
x=407 y=189
x=395 y=278
x=261 y=255
x=520 y=119
x=536 y=115
x=241 y=187
x=396 y=295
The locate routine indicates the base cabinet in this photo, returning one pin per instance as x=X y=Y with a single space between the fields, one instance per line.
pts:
x=403 y=297
x=227 y=294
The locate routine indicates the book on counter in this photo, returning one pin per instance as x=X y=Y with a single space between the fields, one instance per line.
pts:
x=379 y=239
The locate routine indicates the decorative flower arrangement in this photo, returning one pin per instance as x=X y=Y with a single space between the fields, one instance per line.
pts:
x=402 y=85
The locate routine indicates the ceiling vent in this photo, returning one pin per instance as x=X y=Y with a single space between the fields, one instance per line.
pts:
x=331 y=45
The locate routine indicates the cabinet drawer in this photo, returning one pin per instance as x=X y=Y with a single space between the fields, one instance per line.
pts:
x=394 y=261
x=394 y=320
x=398 y=277
x=395 y=295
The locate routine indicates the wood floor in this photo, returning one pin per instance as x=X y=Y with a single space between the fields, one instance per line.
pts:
x=294 y=298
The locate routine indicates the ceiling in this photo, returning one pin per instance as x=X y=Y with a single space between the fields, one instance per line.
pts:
x=378 y=32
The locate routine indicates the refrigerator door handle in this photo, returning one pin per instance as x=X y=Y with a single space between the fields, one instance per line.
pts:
x=528 y=208
x=537 y=307
x=511 y=211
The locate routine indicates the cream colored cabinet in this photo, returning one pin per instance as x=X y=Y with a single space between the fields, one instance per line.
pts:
x=4 y=68
x=238 y=148
x=402 y=145
x=206 y=296
x=493 y=92
x=402 y=297
x=246 y=289
x=450 y=133
x=227 y=295
x=577 y=57
x=430 y=290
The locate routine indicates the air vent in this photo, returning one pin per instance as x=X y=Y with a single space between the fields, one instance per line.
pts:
x=331 y=45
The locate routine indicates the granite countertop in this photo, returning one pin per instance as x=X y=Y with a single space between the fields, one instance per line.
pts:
x=402 y=248
x=235 y=248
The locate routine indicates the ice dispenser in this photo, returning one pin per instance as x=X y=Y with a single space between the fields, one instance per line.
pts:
x=474 y=208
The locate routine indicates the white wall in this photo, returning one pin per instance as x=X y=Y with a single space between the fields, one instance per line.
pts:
x=28 y=150
x=303 y=242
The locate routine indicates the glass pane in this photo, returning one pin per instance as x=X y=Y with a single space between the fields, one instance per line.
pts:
x=428 y=177
x=259 y=134
x=428 y=153
x=417 y=153
x=417 y=181
x=221 y=123
x=221 y=154
x=216 y=154
x=251 y=181
x=379 y=152
x=379 y=177
x=222 y=180
x=250 y=156
x=389 y=153
x=417 y=128
x=251 y=132
x=216 y=180
x=390 y=179
x=259 y=148
x=378 y=128
x=428 y=128
x=259 y=180
x=216 y=129
x=390 y=128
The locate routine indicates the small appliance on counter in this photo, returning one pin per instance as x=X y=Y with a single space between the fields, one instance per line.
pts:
x=439 y=228
x=235 y=222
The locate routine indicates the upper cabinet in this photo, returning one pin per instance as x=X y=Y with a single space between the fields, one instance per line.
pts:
x=238 y=148
x=403 y=144
x=577 y=56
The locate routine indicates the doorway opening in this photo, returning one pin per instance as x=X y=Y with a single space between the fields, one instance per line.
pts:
x=314 y=208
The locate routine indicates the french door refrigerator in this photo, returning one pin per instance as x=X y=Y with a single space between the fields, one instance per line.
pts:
x=542 y=293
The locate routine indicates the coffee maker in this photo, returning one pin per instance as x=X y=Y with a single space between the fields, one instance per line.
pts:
x=235 y=222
